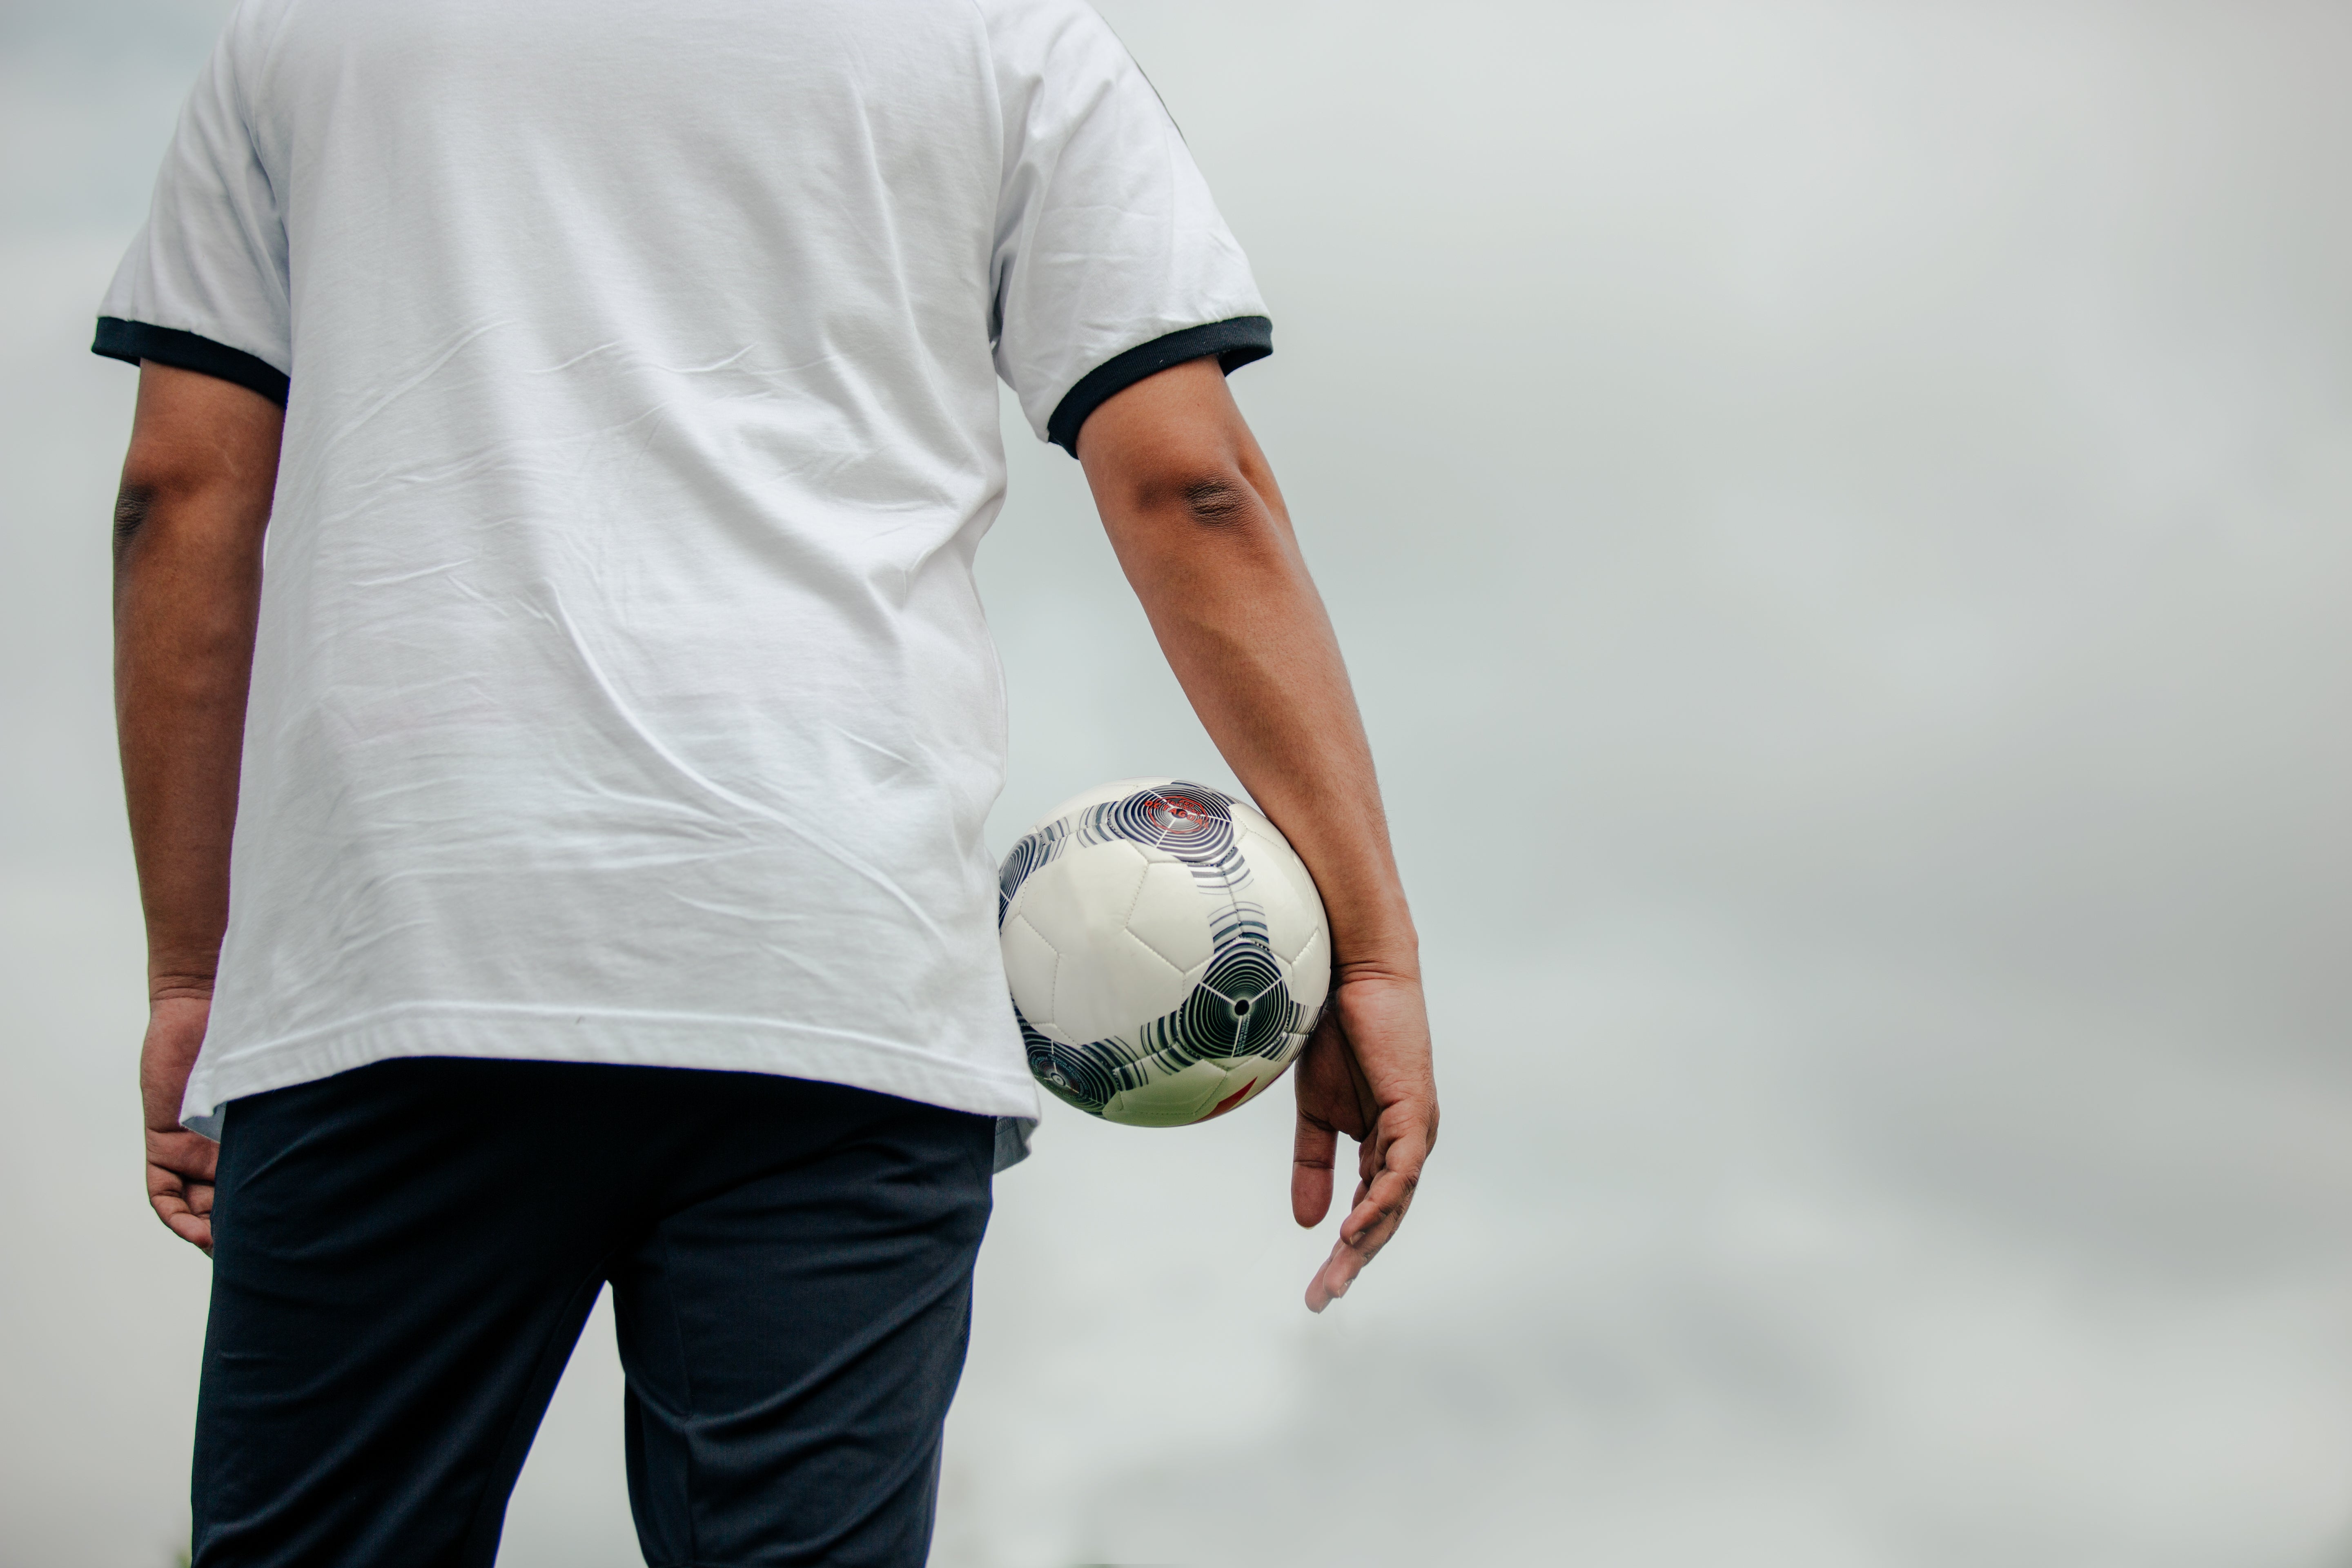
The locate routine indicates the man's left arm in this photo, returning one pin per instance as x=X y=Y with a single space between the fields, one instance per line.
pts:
x=188 y=527
x=1200 y=528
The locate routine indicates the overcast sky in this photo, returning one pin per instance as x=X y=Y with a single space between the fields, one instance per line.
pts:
x=1841 y=515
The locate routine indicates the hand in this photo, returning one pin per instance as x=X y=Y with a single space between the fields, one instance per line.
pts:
x=1366 y=1073
x=179 y=1162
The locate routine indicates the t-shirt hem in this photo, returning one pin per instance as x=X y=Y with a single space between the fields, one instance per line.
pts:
x=1236 y=343
x=132 y=342
x=519 y=1033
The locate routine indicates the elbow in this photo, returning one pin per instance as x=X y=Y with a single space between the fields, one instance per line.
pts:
x=204 y=455
x=1209 y=496
x=132 y=504
x=174 y=502
x=159 y=492
x=1203 y=517
x=1218 y=499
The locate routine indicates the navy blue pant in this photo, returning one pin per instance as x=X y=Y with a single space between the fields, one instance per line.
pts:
x=403 y=1256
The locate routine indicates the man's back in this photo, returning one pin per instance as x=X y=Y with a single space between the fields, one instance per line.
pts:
x=617 y=703
x=620 y=691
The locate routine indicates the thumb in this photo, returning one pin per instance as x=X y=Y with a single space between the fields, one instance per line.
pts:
x=1313 y=1150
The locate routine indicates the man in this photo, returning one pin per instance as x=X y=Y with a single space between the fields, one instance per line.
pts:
x=558 y=719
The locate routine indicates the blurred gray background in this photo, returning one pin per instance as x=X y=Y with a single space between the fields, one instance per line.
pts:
x=1841 y=514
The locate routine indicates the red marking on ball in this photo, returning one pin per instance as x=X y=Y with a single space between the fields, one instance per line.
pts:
x=1174 y=814
x=1229 y=1102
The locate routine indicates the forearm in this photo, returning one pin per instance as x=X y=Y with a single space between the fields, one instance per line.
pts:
x=188 y=528
x=1202 y=533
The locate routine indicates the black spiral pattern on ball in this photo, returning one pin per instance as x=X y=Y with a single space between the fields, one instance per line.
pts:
x=1191 y=822
x=1035 y=849
x=1085 y=1076
x=1242 y=1008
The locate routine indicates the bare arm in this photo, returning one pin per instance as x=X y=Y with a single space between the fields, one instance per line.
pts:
x=187 y=584
x=1200 y=528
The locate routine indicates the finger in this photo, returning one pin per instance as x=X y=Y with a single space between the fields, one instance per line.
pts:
x=1350 y=1257
x=1380 y=1209
x=1312 y=1155
x=176 y=1214
x=1376 y=1216
x=196 y=1233
x=1319 y=1293
x=1371 y=1158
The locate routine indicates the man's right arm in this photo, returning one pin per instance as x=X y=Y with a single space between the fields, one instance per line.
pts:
x=1200 y=528
x=188 y=587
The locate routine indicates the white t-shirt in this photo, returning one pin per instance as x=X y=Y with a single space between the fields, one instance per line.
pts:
x=622 y=693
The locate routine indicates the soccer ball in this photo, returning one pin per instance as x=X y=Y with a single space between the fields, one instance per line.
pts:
x=1167 y=950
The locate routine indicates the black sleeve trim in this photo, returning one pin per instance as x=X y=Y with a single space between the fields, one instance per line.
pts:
x=132 y=342
x=1235 y=344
